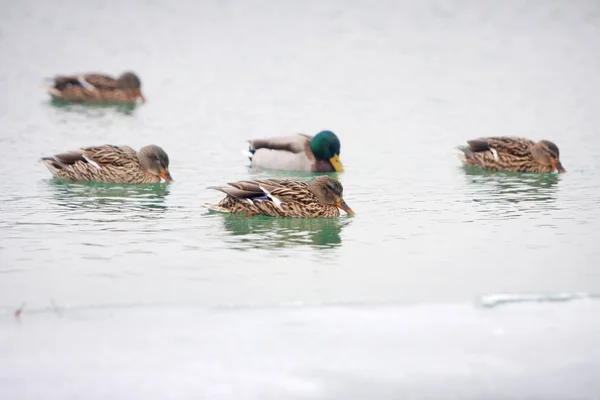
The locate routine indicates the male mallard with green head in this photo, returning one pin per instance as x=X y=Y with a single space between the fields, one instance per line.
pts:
x=320 y=198
x=97 y=88
x=298 y=152
x=111 y=164
x=512 y=154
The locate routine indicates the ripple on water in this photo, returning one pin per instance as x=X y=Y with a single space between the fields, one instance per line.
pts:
x=106 y=201
x=245 y=233
x=510 y=196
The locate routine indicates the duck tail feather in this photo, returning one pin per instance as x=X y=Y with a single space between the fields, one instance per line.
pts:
x=466 y=150
x=51 y=163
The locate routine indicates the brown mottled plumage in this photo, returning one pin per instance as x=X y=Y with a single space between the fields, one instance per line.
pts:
x=319 y=198
x=111 y=164
x=97 y=88
x=512 y=154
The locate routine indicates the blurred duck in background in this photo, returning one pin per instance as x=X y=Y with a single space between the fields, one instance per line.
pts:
x=97 y=88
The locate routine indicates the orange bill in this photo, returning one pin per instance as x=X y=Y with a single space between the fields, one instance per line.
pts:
x=558 y=166
x=139 y=94
x=166 y=175
x=342 y=204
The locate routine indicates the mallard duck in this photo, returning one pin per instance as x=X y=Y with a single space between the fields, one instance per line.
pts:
x=111 y=164
x=298 y=152
x=513 y=154
x=97 y=88
x=322 y=197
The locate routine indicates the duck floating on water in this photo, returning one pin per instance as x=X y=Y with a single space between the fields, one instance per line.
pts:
x=97 y=88
x=320 y=198
x=512 y=154
x=298 y=152
x=111 y=164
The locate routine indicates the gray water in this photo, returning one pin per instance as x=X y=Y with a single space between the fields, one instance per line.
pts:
x=139 y=292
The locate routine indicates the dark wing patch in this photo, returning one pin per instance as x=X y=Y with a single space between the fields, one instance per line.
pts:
x=243 y=189
x=251 y=189
x=478 y=145
x=235 y=192
x=69 y=158
x=62 y=82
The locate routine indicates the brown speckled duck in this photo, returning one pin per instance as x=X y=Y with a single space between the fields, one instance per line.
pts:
x=111 y=164
x=513 y=154
x=320 y=198
x=298 y=152
x=97 y=88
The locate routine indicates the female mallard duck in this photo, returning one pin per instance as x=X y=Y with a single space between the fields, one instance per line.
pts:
x=283 y=198
x=512 y=154
x=298 y=152
x=97 y=88
x=111 y=164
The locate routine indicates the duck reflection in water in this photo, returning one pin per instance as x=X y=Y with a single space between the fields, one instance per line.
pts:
x=508 y=195
x=94 y=109
x=272 y=233
x=141 y=201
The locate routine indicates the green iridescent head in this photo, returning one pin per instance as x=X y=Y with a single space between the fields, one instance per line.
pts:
x=326 y=146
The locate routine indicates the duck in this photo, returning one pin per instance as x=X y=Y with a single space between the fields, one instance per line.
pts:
x=320 y=198
x=297 y=152
x=111 y=164
x=512 y=154
x=97 y=88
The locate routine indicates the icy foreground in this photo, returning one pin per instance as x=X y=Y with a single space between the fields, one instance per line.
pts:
x=514 y=351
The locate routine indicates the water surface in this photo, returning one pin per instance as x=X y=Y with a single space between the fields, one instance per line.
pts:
x=401 y=83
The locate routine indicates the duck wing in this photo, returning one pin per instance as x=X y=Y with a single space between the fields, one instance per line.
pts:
x=514 y=146
x=109 y=155
x=101 y=82
x=87 y=81
x=293 y=143
x=276 y=190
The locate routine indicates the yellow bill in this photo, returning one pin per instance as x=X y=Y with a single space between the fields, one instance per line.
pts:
x=337 y=164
